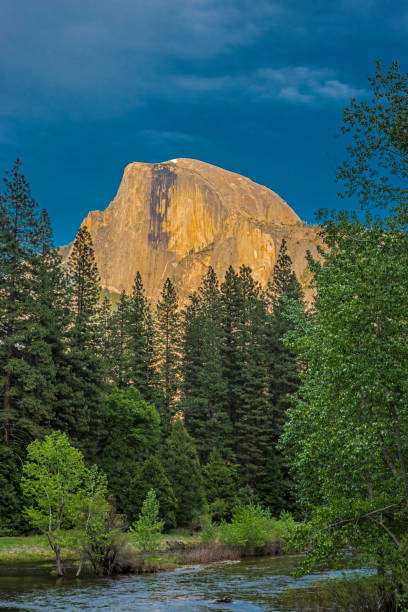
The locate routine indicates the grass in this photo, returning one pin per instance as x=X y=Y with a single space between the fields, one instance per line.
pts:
x=36 y=547
x=179 y=545
x=28 y=548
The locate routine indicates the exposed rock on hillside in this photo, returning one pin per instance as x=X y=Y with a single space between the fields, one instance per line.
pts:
x=178 y=217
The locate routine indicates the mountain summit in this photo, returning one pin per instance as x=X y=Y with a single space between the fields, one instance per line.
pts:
x=175 y=218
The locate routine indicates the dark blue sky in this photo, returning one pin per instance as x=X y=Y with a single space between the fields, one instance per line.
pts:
x=254 y=86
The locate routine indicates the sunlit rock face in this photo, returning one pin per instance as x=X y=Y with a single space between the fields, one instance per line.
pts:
x=174 y=219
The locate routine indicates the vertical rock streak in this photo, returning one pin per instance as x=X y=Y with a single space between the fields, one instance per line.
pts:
x=163 y=180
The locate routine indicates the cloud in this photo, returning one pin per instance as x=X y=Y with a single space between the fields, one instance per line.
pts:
x=302 y=84
x=298 y=84
x=69 y=56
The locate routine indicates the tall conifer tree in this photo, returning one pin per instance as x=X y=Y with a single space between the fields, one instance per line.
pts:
x=204 y=389
x=221 y=485
x=140 y=329
x=243 y=324
x=232 y=306
x=282 y=367
x=276 y=487
x=106 y=338
x=31 y=328
x=167 y=352
x=119 y=343
x=85 y=345
x=252 y=407
x=26 y=387
x=184 y=472
x=47 y=346
x=151 y=475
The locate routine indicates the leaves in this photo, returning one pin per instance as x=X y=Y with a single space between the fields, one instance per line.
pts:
x=148 y=527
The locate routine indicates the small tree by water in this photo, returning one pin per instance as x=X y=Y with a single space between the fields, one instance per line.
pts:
x=51 y=483
x=148 y=527
x=63 y=494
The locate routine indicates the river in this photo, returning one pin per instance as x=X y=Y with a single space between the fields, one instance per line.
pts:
x=254 y=586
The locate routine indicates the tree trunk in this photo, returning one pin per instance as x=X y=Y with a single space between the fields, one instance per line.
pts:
x=60 y=568
x=6 y=401
x=81 y=562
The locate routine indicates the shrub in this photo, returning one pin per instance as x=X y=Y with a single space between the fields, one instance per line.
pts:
x=251 y=526
x=209 y=533
x=105 y=543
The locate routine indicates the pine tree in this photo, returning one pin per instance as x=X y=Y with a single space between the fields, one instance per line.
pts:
x=151 y=475
x=193 y=404
x=106 y=338
x=276 y=486
x=167 y=351
x=86 y=291
x=232 y=307
x=204 y=389
x=218 y=425
x=221 y=485
x=283 y=281
x=27 y=370
x=184 y=472
x=252 y=407
x=243 y=323
x=47 y=346
x=80 y=419
x=282 y=367
x=119 y=343
x=148 y=527
x=140 y=329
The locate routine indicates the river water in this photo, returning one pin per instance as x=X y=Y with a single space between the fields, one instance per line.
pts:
x=254 y=586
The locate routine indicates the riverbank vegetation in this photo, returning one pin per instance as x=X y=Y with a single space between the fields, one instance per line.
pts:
x=243 y=537
x=354 y=593
x=68 y=502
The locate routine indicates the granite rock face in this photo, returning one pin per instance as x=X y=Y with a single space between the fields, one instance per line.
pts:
x=174 y=219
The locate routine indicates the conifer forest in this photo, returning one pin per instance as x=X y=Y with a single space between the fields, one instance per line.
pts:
x=188 y=400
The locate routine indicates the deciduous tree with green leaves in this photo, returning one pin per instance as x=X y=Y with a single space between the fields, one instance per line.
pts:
x=348 y=429
x=101 y=532
x=52 y=482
